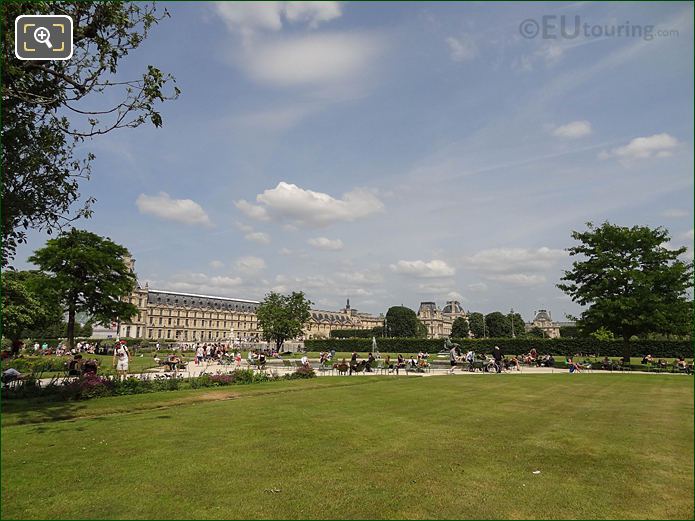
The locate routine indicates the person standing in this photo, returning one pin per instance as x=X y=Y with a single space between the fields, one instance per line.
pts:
x=199 y=354
x=497 y=355
x=121 y=357
x=452 y=359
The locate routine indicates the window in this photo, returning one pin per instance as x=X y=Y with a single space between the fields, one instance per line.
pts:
x=160 y=321
x=168 y=321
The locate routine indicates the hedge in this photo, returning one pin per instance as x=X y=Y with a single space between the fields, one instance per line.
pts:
x=555 y=346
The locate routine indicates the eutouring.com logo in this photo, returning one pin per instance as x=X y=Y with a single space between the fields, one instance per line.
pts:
x=554 y=27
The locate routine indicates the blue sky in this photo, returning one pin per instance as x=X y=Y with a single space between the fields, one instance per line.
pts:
x=394 y=153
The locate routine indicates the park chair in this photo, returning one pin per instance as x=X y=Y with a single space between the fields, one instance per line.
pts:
x=287 y=364
x=325 y=368
x=342 y=369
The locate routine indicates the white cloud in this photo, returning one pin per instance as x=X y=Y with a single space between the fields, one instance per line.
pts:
x=320 y=60
x=252 y=210
x=286 y=252
x=288 y=202
x=422 y=269
x=573 y=130
x=250 y=264
x=518 y=279
x=462 y=49
x=216 y=264
x=258 y=237
x=675 y=213
x=202 y=283
x=360 y=277
x=323 y=243
x=312 y=12
x=249 y=17
x=501 y=260
x=658 y=145
x=454 y=295
x=179 y=210
x=477 y=287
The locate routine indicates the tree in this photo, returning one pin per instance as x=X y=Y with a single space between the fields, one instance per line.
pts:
x=21 y=309
x=49 y=108
x=602 y=334
x=282 y=317
x=498 y=325
x=630 y=280
x=403 y=322
x=476 y=321
x=460 y=328
x=536 y=332
x=570 y=332
x=516 y=325
x=89 y=274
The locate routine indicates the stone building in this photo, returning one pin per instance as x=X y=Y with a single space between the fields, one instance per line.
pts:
x=544 y=321
x=439 y=322
x=189 y=317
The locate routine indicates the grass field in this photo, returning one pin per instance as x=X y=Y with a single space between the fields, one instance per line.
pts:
x=607 y=446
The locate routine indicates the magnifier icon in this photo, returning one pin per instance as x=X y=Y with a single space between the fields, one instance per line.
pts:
x=42 y=35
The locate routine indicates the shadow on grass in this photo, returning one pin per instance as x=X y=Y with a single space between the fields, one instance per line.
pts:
x=24 y=412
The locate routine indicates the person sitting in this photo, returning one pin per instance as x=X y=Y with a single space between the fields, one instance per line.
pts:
x=573 y=367
x=512 y=362
x=75 y=365
x=400 y=362
x=412 y=361
x=90 y=366
x=370 y=361
x=648 y=359
x=388 y=364
x=172 y=362
x=305 y=362
x=342 y=367
x=606 y=364
x=11 y=375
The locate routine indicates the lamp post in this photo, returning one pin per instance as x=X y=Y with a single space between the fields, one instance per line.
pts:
x=511 y=318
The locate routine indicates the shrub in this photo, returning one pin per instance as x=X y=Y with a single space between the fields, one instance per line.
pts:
x=300 y=373
x=556 y=346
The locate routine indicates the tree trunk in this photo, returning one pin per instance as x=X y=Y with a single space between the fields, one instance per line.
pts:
x=278 y=344
x=71 y=328
x=626 y=349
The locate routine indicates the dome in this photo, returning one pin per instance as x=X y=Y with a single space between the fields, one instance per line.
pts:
x=453 y=307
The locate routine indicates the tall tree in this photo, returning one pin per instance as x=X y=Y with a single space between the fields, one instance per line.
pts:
x=89 y=274
x=476 y=321
x=21 y=309
x=516 y=324
x=631 y=281
x=403 y=322
x=283 y=317
x=498 y=325
x=460 y=328
x=49 y=108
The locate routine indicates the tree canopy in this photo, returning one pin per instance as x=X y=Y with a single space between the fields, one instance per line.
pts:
x=49 y=108
x=498 y=325
x=403 y=322
x=477 y=324
x=460 y=328
x=88 y=274
x=283 y=317
x=630 y=280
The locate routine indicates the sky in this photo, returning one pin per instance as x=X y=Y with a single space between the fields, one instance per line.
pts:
x=395 y=153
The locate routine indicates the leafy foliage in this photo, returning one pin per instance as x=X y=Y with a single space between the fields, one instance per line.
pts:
x=403 y=322
x=21 y=309
x=88 y=274
x=498 y=325
x=283 y=317
x=477 y=324
x=556 y=346
x=630 y=280
x=460 y=328
x=50 y=107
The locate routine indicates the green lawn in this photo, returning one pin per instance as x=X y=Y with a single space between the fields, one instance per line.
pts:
x=607 y=446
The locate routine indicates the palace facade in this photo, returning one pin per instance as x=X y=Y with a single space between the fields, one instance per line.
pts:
x=189 y=317
x=439 y=322
x=544 y=321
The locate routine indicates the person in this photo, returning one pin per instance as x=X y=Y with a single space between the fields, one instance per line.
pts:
x=606 y=364
x=332 y=354
x=305 y=362
x=573 y=367
x=514 y=362
x=75 y=365
x=90 y=366
x=400 y=362
x=16 y=347
x=199 y=355
x=44 y=347
x=36 y=347
x=370 y=361
x=452 y=359
x=237 y=360
x=497 y=355
x=121 y=357
x=387 y=363
x=648 y=359
x=10 y=375
x=353 y=359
